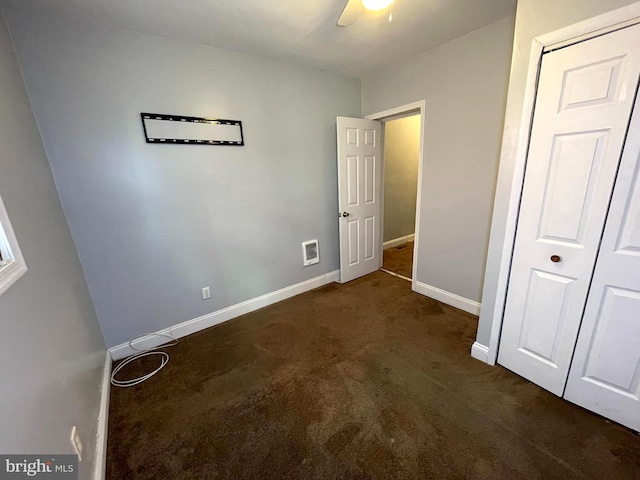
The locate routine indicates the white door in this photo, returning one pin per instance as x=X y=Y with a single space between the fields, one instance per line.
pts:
x=605 y=373
x=584 y=100
x=359 y=196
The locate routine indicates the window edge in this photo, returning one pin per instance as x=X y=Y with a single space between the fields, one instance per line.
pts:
x=9 y=274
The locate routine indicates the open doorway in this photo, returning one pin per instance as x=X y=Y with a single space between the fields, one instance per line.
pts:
x=400 y=187
x=411 y=131
x=361 y=201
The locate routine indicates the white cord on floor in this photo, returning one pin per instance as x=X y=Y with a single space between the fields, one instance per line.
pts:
x=143 y=353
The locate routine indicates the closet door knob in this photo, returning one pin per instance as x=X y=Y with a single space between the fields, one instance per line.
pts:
x=555 y=258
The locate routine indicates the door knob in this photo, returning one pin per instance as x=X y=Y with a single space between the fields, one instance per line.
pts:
x=345 y=214
x=555 y=258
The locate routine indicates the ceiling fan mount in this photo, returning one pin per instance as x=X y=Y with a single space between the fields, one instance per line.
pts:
x=353 y=9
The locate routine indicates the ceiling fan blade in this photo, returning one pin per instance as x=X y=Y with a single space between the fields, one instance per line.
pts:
x=351 y=11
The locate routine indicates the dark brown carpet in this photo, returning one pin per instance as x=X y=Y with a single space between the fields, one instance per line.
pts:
x=399 y=259
x=366 y=380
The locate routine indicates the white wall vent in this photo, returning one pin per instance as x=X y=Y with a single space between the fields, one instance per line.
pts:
x=310 y=252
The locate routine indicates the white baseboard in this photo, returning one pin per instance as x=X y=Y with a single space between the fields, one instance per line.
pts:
x=398 y=241
x=103 y=421
x=447 y=297
x=480 y=352
x=220 y=316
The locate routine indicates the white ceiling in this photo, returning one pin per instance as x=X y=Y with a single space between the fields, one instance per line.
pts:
x=302 y=32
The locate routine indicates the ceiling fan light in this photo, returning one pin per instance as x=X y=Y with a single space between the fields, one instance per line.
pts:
x=376 y=5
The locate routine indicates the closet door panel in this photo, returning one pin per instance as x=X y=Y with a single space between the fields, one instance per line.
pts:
x=583 y=105
x=605 y=373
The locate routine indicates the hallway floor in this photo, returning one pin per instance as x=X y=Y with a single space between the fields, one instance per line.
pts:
x=399 y=260
x=366 y=380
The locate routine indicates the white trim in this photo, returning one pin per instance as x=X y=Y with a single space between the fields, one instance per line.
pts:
x=225 y=314
x=593 y=27
x=583 y=30
x=398 y=241
x=398 y=112
x=590 y=35
x=449 y=298
x=103 y=421
x=9 y=274
x=480 y=352
x=419 y=107
x=394 y=274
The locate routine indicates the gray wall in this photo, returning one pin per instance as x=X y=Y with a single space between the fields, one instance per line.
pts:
x=51 y=349
x=155 y=223
x=464 y=83
x=401 y=151
x=534 y=18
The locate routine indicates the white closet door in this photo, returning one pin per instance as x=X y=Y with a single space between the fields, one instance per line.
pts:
x=605 y=373
x=583 y=104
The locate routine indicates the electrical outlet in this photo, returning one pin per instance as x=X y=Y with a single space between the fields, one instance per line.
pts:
x=76 y=442
x=206 y=293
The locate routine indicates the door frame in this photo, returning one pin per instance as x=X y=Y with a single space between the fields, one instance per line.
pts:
x=408 y=110
x=579 y=32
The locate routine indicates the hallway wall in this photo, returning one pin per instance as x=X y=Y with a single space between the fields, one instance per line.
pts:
x=401 y=153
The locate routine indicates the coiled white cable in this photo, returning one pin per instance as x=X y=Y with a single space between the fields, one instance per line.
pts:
x=143 y=353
